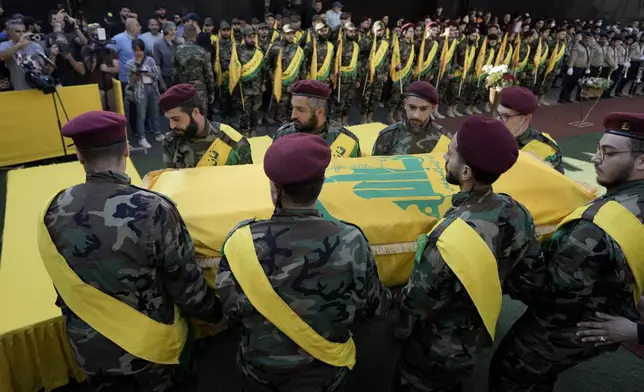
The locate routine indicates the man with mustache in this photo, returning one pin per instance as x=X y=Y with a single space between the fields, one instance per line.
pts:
x=195 y=141
x=417 y=133
x=348 y=78
x=515 y=110
x=485 y=245
x=310 y=115
x=594 y=264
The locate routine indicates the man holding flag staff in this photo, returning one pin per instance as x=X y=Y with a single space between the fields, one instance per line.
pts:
x=319 y=55
x=347 y=75
x=553 y=65
x=472 y=66
x=447 y=81
x=249 y=94
x=401 y=68
x=427 y=60
x=377 y=72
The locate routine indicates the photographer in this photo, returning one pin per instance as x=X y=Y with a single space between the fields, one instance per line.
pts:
x=64 y=49
x=21 y=54
x=101 y=66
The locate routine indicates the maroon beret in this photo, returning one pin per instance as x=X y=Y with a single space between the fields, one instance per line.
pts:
x=423 y=90
x=625 y=124
x=519 y=99
x=297 y=158
x=311 y=88
x=486 y=145
x=96 y=129
x=407 y=27
x=176 y=96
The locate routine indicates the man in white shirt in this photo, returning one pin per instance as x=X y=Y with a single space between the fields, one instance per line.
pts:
x=333 y=15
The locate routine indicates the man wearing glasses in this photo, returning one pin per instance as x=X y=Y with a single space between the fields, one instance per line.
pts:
x=515 y=111
x=594 y=263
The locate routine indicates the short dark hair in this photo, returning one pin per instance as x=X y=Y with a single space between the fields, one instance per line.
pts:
x=188 y=106
x=95 y=155
x=304 y=193
x=637 y=147
x=138 y=44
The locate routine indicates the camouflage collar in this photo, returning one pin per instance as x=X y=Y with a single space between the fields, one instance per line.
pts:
x=636 y=186
x=108 y=176
x=461 y=197
x=287 y=213
x=527 y=136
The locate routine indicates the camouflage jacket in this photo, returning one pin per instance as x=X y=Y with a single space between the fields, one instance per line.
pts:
x=347 y=56
x=329 y=132
x=323 y=52
x=324 y=270
x=587 y=271
x=439 y=299
x=288 y=52
x=382 y=73
x=192 y=64
x=132 y=245
x=406 y=50
x=402 y=139
x=253 y=86
x=264 y=44
x=457 y=60
x=428 y=48
x=555 y=160
x=181 y=153
x=225 y=53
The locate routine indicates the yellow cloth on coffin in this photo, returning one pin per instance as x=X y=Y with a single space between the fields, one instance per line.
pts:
x=117 y=321
x=539 y=148
x=409 y=193
x=475 y=266
x=34 y=352
x=625 y=229
x=242 y=258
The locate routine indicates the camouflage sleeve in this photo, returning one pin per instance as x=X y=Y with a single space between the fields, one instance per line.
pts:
x=377 y=298
x=234 y=302
x=181 y=277
x=556 y=160
x=210 y=76
x=528 y=275
x=577 y=257
x=176 y=69
x=168 y=162
x=430 y=287
x=381 y=146
x=241 y=155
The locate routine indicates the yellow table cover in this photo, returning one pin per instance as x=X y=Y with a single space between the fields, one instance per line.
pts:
x=34 y=352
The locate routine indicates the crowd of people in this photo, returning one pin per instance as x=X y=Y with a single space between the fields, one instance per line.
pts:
x=296 y=282
x=368 y=64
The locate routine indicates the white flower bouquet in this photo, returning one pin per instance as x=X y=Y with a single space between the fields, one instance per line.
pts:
x=498 y=77
x=594 y=87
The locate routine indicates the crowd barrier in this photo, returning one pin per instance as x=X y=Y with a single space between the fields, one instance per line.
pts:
x=30 y=121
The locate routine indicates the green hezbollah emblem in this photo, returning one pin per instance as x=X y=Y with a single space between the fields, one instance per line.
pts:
x=410 y=185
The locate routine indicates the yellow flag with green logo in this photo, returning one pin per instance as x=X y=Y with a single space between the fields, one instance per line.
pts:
x=234 y=70
x=409 y=192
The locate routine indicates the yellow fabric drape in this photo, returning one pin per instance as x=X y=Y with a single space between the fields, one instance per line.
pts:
x=313 y=72
x=240 y=252
x=277 y=78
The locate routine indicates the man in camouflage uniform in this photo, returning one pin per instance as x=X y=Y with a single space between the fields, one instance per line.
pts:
x=533 y=72
x=522 y=68
x=322 y=37
x=324 y=271
x=222 y=57
x=192 y=135
x=471 y=86
x=546 y=80
x=296 y=23
x=448 y=88
x=372 y=89
x=449 y=334
x=113 y=252
x=288 y=49
x=395 y=102
x=417 y=133
x=251 y=86
x=516 y=106
x=309 y=102
x=265 y=45
x=431 y=73
x=347 y=83
x=192 y=64
x=237 y=33
x=587 y=272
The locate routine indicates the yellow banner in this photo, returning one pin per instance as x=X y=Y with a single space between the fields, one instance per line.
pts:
x=410 y=194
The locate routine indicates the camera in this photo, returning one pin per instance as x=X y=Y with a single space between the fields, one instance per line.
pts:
x=37 y=80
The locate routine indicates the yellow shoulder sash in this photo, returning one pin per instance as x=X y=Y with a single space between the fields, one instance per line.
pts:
x=343 y=146
x=474 y=265
x=625 y=229
x=539 y=148
x=239 y=249
x=219 y=150
x=131 y=330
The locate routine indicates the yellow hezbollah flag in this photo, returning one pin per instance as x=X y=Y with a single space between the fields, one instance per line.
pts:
x=277 y=79
x=409 y=192
x=235 y=69
x=395 y=55
x=313 y=73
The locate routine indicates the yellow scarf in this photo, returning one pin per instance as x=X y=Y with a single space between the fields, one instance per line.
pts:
x=219 y=151
x=321 y=73
x=376 y=57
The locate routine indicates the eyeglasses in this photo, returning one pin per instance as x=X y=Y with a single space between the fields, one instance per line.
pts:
x=504 y=117
x=602 y=154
